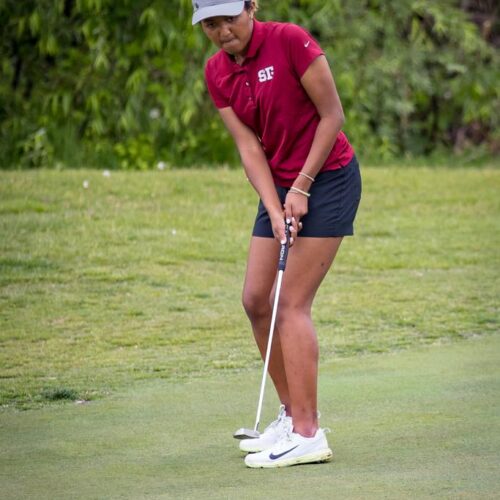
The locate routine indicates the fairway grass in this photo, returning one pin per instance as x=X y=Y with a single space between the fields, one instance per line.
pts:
x=138 y=275
x=416 y=424
x=126 y=361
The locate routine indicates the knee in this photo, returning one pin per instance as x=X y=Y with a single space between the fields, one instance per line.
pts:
x=256 y=306
x=291 y=312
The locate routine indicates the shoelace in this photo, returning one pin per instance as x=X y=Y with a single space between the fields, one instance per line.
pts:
x=286 y=431
x=279 y=420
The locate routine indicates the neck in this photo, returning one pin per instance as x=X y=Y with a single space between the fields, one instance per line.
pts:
x=239 y=59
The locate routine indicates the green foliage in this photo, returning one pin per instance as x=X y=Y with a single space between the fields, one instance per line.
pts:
x=413 y=75
x=120 y=84
x=37 y=150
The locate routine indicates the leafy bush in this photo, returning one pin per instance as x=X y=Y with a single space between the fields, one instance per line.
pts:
x=120 y=84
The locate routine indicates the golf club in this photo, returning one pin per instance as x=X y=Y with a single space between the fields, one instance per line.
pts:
x=254 y=433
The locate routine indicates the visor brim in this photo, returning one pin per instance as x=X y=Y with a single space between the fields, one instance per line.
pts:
x=225 y=9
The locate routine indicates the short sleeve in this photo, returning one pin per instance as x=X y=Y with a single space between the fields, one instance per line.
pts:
x=302 y=48
x=215 y=94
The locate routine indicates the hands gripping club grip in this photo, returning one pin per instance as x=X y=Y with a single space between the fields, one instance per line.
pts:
x=284 y=249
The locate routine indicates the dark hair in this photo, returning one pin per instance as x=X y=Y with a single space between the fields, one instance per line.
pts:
x=248 y=4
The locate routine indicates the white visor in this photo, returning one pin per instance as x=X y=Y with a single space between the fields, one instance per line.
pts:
x=220 y=9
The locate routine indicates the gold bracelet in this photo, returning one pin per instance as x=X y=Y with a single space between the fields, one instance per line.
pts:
x=307 y=176
x=299 y=191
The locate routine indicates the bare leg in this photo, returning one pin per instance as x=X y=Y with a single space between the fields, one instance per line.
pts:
x=293 y=364
x=259 y=281
x=308 y=262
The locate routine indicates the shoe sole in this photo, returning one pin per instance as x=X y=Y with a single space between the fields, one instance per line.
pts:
x=310 y=458
x=254 y=450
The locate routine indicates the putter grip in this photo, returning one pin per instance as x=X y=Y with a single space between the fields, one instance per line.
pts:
x=284 y=249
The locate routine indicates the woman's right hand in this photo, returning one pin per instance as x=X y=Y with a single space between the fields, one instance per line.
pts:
x=278 y=225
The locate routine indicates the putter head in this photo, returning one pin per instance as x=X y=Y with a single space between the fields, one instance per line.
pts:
x=246 y=434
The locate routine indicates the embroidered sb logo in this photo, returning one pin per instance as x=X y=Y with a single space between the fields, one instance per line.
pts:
x=266 y=74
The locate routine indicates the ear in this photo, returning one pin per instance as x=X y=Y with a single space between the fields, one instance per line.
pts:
x=252 y=10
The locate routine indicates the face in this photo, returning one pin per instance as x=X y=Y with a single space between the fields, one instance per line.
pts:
x=231 y=34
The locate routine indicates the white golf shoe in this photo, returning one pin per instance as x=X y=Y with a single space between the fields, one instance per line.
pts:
x=292 y=449
x=271 y=435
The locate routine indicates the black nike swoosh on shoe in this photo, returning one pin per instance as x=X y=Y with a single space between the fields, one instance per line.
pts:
x=275 y=457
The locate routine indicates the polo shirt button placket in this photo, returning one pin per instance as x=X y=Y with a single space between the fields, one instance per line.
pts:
x=247 y=84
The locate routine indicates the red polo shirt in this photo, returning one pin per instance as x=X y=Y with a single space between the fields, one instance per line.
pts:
x=266 y=94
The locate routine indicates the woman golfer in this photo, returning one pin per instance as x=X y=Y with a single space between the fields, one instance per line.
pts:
x=275 y=93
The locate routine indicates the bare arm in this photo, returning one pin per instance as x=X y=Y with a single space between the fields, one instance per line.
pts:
x=256 y=167
x=320 y=87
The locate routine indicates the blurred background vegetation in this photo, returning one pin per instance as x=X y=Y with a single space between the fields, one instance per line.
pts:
x=119 y=83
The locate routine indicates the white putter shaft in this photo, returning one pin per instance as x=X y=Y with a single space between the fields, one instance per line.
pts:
x=254 y=433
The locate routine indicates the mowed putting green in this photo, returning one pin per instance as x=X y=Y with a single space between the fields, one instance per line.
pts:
x=416 y=424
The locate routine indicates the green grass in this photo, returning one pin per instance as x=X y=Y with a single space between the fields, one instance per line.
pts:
x=416 y=424
x=139 y=276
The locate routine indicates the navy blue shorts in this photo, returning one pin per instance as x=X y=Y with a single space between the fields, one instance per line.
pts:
x=334 y=201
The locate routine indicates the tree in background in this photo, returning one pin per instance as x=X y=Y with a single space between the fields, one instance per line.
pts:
x=119 y=83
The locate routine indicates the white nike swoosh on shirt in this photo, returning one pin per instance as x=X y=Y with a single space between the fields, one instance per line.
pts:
x=307 y=44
